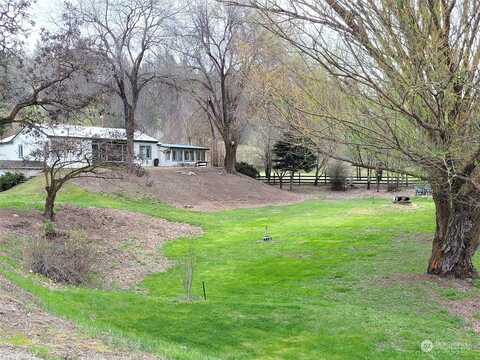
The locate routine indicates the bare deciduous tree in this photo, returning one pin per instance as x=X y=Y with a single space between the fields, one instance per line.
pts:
x=124 y=35
x=410 y=72
x=218 y=51
x=14 y=17
x=65 y=159
x=54 y=79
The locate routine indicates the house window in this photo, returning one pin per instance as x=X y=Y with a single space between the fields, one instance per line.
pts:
x=202 y=155
x=167 y=155
x=20 y=151
x=189 y=155
x=104 y=150
x=177 y=155
x=95 y=152
x=145 y=152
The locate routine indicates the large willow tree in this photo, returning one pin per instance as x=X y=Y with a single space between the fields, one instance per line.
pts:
x=411 y=71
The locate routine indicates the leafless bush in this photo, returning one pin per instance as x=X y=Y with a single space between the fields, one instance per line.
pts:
x=65 y=258
x=139 y=170
x=338 y=176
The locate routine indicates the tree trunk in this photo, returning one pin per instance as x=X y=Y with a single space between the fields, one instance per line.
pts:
x=456 y=236
x=368 y=179
x=268 y=172
x=291 y=180
x=49 y=212
x=214 y=147
x=268 y=163
x=280 y=178
x=130 y=130
x=214 y=153
x=379 y=176
x=317 y=170
x=230 y=156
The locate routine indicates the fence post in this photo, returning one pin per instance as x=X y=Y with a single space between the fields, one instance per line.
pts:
x=368 y=178
x=299 y=179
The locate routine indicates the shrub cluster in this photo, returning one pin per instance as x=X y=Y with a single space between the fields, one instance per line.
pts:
x=246 y=169
x=66 y=258
x=9 y=180
x=338 y=176
x=140 y=170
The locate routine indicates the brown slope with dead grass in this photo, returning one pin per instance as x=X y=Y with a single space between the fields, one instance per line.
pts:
x=127 y=245
x=203 y=189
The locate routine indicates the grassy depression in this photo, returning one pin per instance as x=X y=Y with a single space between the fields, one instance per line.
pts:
x=333 y=284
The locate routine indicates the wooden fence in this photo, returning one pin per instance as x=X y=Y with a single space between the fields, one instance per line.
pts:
x=303 y=179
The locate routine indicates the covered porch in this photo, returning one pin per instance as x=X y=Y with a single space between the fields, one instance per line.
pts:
x=182 y=155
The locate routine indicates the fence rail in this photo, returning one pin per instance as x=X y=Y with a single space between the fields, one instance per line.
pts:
x=302 y=179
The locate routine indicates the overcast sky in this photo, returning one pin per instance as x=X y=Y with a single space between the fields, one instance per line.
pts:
x=44 y=13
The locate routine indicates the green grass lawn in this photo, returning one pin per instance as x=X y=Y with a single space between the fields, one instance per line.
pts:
x=318 y=291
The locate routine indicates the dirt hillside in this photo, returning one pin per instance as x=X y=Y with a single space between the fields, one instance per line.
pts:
x=204 y=189
x=127 y=245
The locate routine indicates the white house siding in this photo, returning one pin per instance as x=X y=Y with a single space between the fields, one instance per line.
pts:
x=162 y=156
x=29 y=142
x=154 y=149
x=9 y=148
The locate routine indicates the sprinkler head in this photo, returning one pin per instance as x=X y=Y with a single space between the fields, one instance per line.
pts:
x=266 y=236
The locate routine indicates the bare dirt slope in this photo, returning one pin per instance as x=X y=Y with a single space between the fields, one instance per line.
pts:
x=204 y=189
x=127 y=245
x=26 y=328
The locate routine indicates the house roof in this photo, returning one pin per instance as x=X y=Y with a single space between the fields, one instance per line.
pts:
x=7 y=139
x=91 y=132
x=95 y=132
x=183 y=146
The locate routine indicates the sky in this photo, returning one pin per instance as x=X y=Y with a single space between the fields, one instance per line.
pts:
x=43 y=13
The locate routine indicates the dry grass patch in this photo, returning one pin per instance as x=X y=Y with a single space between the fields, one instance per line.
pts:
x=127 y=245
x=203 y=189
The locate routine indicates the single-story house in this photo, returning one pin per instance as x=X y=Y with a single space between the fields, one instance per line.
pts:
x=108 y=144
